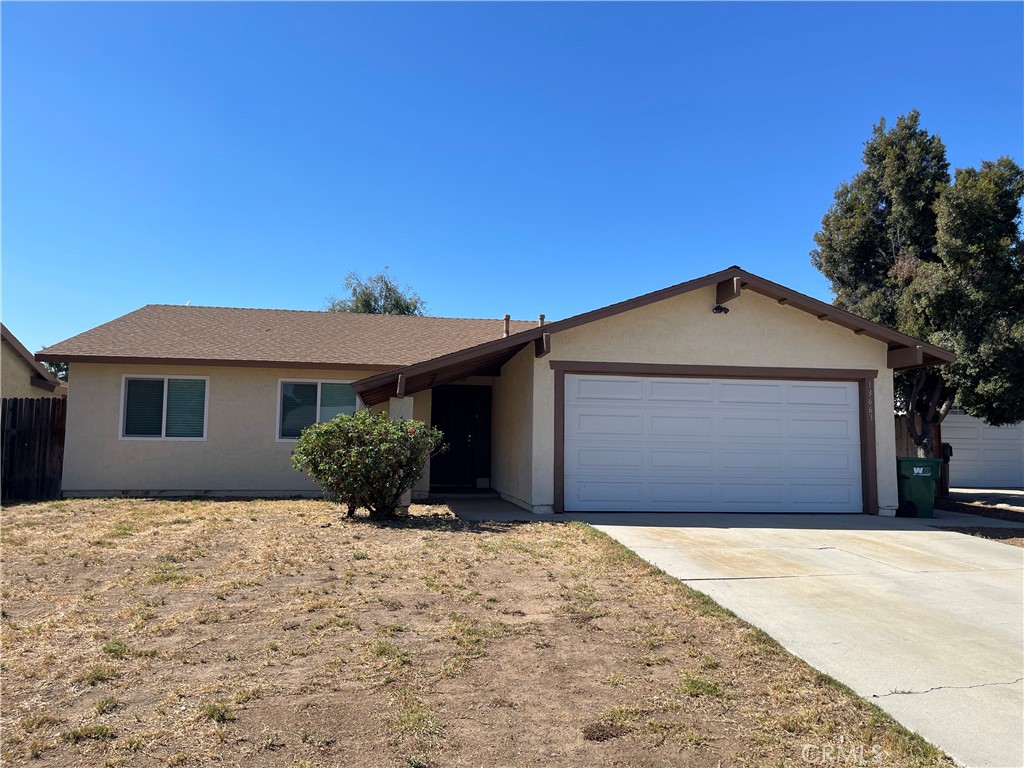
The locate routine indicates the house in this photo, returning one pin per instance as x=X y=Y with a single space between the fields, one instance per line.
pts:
x=21 y=375
x=727 y=393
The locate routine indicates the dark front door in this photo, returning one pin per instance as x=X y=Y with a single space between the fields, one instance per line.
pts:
x=463 y=414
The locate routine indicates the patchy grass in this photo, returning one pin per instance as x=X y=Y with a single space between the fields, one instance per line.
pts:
x=218 y=712
x=105 y=705
x=189 y=633
x=84 y=732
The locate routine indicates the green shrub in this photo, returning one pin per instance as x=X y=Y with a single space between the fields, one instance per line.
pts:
x=366 y=460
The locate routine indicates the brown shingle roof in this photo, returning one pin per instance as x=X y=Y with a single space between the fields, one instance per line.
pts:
x=173 y=333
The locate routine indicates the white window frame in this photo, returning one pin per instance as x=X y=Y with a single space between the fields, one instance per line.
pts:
x=163 y=417
x=318 y=382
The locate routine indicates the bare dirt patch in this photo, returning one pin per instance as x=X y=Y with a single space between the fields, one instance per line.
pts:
x=1014 y=536
x=271 y=633
x=995 y=511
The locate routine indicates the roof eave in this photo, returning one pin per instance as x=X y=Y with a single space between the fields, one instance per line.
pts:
x=38 y=370
x=444 y=369
x=56 y=357
x=377 y=389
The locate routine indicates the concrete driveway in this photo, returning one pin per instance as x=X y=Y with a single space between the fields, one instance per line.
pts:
x=927 y=624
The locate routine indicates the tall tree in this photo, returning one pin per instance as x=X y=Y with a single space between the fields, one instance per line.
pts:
x=904 y=246
x=377 y=295
x=60 y=370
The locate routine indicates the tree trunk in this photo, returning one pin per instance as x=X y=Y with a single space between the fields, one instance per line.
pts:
x=927 y=400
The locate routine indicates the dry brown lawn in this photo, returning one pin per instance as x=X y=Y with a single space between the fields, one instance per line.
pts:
x=276 y=633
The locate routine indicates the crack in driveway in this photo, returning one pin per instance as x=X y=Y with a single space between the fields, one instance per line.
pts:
x=941 y=688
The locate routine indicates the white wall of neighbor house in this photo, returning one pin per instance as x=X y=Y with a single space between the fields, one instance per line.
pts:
x=240 y=454
x=682 y=330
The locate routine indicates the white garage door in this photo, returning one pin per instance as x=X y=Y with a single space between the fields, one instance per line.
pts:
x=984 y=456
x=681 y=444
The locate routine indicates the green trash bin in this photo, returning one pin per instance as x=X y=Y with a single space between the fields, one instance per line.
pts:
x=916 y=482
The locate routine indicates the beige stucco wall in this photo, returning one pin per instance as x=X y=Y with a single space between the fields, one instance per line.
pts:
x=420 y=412
x=16 y=376
x=512 y=429
x=241 y=453
x=757 y=331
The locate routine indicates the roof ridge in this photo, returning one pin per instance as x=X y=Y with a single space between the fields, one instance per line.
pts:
x=325 y=312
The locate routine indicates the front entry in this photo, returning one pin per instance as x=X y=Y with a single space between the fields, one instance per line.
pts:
x=463 y=414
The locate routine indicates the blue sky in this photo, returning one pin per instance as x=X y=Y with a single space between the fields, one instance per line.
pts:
x=519 y=158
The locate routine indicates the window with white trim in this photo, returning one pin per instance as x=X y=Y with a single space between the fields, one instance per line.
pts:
x=164 y=407
x=302 y=403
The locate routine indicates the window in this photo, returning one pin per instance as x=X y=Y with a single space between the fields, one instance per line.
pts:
x=302 y=403
x=158 y=407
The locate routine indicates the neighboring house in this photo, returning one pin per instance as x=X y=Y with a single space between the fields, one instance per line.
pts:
x=21 y=375
x=728 y=393
x=983 y=456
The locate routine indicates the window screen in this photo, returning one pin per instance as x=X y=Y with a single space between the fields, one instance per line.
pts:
x=186 y=407
x=336 y=399
x=143 y=407
x=298 y=407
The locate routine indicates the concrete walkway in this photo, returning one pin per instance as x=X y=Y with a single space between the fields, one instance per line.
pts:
x=927 y=624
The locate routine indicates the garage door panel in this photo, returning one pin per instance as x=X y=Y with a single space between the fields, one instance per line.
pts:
x=610 y=491
x=747 y=493
x=750 y=426
x=749 y=392
x=609 y=389
x=819 y=494
x=954 y=432
x=772 y=447
x=681 y=493
x=747 y=460
x=609 y=424
x=1009 y=436
x=679 y=459
x=814 y=394
x=682 y=390
x=631 y=458
x=682 y=426
x=1000 y=455
x=839 y=429
x=823 y=461
x=962 y=455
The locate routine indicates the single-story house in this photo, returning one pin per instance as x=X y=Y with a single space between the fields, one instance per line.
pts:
x=21 y=375
x=728 y=393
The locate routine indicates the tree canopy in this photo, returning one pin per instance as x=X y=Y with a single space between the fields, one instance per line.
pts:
x=60 y=370
x=939 y=258
x=377 y=295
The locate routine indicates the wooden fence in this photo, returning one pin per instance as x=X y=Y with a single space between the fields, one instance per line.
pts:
x=33 y=448
x=905 y=446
